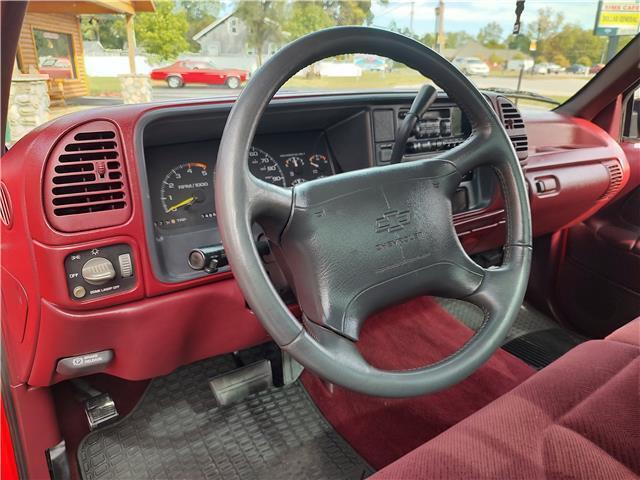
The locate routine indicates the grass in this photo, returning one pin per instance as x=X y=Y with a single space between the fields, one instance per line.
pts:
x=104 y=86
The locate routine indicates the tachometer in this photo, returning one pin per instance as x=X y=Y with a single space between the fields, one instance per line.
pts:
x=186 y=194
x=265 y=167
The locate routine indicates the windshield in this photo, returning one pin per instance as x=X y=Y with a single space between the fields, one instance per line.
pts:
x=87 y=54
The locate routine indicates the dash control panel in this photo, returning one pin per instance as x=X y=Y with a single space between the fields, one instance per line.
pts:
x=100 y=271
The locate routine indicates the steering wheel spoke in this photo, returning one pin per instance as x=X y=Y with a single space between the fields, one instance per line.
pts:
x=490 y=295
x=269 y=206
x=479 y=150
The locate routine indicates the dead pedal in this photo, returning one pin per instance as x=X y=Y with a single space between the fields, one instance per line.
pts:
x=238 y=384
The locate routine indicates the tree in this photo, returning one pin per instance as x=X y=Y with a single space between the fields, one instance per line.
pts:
x=496 y=60
x=393 y=26
x=491 y=35
x=574 y=42
x=199 y=15
x=263 y=20
x=349 y=12
x=546 y=25
x=163 y=33
x=429 y=39
x=109 y=30
x=586 y=61
x=306 y=17
x=457 y=39
x=560 y=59
x=519 y=42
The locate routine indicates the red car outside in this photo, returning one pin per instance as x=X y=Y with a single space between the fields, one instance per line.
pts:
x=187 y=71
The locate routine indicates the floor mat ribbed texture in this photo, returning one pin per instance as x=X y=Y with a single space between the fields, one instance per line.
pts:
x=528 y=320
x=533 y=337
x=178 y=432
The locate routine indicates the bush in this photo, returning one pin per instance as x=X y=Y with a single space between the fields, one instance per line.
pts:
x=541 y=59
x=561 y=60
x=584 y=60
x=495 y=60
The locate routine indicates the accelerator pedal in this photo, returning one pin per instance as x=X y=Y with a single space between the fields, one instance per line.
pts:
x=99 y=407
x=238 y=384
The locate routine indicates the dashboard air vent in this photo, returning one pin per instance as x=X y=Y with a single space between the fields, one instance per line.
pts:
x=85 y=184
x=615 y=179
x=6 y=213
x=514 y=125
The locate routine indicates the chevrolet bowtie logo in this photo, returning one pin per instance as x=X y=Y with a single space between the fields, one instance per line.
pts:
x=393 y=220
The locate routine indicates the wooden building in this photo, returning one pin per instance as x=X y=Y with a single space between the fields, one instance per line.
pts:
x=51 y=40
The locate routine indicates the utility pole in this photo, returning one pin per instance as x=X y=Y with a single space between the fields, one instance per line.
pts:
x=440 y=26
x=411 y=16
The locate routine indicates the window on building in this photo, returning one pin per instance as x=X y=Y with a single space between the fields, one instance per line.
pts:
x=55 y=54
x=233 y=26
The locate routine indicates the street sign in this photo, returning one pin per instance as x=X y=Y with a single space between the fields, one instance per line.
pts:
x=617 y=18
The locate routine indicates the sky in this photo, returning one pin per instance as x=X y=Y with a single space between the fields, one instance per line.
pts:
x=472 y=15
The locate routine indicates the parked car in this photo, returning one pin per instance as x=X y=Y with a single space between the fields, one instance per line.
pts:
x=596 y=68
x=578 y=69
x=471 y=66
x=546 y=68
x=56 y=68
x=184 y=72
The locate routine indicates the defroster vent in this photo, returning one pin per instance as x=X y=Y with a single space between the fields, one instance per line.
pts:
x=85 y=185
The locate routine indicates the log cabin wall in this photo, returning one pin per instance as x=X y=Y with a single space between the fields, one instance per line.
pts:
x=28 y=57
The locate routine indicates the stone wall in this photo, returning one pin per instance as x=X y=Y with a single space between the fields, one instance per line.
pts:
x=28 y=104
x=135 y=88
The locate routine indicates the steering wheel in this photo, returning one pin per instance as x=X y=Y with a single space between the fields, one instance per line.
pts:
x=359 y=241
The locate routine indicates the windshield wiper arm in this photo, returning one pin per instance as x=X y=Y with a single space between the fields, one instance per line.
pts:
x=510 y=92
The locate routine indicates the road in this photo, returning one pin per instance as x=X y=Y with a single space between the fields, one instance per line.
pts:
x=549 y=85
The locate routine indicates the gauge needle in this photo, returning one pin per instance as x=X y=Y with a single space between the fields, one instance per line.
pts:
x=183 y=203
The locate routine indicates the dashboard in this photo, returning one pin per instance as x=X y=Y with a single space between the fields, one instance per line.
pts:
x=119 y=197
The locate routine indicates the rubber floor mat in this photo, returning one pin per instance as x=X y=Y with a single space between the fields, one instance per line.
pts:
x=543 y=347
x=178 y=432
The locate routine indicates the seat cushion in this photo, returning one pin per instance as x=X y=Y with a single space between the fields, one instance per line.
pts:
x=629 y=333
x=577 y=418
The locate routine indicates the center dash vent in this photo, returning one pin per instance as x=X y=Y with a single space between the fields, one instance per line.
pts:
x=514 y=125
x=85 y=186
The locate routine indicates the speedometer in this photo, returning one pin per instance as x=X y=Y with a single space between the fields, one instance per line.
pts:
x=265 y=167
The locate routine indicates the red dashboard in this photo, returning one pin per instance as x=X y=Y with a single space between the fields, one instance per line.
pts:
x=573 y=169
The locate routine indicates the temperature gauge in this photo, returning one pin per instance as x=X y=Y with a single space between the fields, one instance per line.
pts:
x=320 y=166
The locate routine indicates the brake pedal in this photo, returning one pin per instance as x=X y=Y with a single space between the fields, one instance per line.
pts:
x=100 y=410
x=236 y=385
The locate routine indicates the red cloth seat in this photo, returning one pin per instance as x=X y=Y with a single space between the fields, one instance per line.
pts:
x=577 y=418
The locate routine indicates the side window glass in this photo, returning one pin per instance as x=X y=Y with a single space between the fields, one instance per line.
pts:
x=632 y=117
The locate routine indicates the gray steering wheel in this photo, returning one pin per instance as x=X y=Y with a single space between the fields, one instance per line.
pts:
x=345 y=260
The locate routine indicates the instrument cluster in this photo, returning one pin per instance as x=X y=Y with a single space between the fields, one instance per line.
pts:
x=181 y=176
